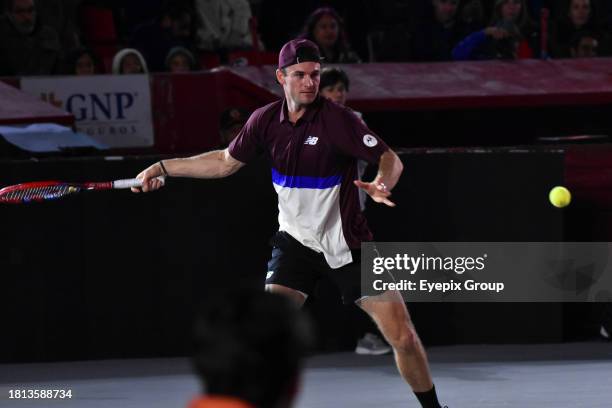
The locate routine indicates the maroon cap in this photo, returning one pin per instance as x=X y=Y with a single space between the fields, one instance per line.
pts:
x=297 y=51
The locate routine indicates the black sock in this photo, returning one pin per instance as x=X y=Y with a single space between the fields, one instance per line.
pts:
x=428 y=399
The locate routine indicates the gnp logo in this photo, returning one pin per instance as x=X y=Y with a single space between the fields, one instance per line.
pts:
x=105 y=107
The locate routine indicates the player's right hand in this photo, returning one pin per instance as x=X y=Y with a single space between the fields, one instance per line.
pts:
x=149 y=178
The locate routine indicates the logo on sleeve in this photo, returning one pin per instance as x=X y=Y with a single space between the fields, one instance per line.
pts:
x=311 y=140
x=370 y=141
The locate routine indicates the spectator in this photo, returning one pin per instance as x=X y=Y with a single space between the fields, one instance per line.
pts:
x=584 y=44
x=82 y=61
x=180 y=59
x=129 y=61
x=440 y=31
x=510 y=35
x=249 y=350
x=231 y=122
x=28 y=47
x=325 y=28
x=578 y=15
x=224 y=24
x=334 y=85
x=490 y=43
x=156 y=38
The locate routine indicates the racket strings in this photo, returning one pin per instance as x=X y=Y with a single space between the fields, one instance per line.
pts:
x=39 y=193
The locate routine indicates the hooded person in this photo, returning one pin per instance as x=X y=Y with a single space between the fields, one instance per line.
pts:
x=129 y=61
x=180 y=59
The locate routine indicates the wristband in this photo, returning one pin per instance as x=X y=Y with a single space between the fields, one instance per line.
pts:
x=164 y=171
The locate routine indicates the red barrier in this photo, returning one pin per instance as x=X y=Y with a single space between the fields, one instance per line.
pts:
x=186 y=107
x=470 y=84
x=17 y=107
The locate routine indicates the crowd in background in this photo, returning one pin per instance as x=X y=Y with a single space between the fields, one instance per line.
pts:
x=137 y=36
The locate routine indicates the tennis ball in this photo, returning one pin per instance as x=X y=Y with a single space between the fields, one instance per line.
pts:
x=560 y=197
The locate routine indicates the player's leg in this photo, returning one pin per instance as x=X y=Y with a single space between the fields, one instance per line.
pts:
x=392 y=318
x=295 y=295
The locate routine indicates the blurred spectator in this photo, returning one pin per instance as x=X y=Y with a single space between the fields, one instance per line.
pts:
x=510 y=35
x=576 y=16
x=180 y=59
x=441 y=30
x=334 y=85
x=82 y=61
x=224 y=24
x=584 y=44
x=250 y=347
x=28 y=47
x=490 y=43
x=230 y=123
x=156 y=38
x=129 y=61
x=325 y=28
x=390 y=29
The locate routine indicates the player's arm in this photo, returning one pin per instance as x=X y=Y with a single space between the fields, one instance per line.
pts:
x=214 y=164
x=390 y=169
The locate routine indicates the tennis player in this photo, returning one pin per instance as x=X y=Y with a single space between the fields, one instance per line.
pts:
x=313 y=146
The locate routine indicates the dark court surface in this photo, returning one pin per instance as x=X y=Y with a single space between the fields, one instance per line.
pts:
x=523 y=376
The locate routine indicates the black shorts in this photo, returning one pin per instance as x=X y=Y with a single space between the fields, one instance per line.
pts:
x=298 y=267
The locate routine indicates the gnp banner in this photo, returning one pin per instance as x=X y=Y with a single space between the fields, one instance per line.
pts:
x=112 y=109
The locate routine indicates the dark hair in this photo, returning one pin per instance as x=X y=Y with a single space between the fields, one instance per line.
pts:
x=564 y=18
x=523 y=22
x=330 y=76
x=312 y=20
x=181 y=51
x=74 y=55
x=250 y=345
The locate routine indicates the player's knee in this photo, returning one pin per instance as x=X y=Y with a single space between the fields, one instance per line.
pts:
x=404 y=340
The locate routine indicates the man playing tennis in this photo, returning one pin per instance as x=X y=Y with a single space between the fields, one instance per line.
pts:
x=313 y=146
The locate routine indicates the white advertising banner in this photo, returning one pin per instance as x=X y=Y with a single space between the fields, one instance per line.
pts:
x=112 y=109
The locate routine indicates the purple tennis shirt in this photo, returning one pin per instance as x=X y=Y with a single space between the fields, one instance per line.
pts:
x=314 y=163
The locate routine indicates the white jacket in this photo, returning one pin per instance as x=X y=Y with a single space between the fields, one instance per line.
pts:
x=225 y=24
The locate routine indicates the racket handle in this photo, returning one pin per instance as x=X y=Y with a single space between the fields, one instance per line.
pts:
x=129 y=183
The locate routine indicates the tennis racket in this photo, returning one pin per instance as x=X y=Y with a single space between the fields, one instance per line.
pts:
x=52 y=190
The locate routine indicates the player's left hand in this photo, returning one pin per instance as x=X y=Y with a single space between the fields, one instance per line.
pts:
x=378 y=192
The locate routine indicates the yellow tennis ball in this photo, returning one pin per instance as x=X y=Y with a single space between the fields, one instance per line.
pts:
x=560 y=197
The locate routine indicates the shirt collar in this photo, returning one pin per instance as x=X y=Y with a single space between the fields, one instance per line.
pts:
x=308 y=116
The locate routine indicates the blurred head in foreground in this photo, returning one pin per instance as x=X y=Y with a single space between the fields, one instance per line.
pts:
x=249 y=349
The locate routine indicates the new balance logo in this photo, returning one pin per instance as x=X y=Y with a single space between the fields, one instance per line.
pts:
x=311 y=140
